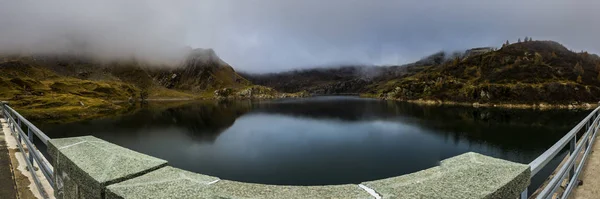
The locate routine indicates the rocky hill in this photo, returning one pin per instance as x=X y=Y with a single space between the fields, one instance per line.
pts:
x=349 y=79
x=527 y=72
x=341 y=80
x=202 y=70
x=530 y=72
x=79 y=86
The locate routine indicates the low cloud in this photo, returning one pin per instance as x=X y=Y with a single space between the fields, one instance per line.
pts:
x=276 y=35
x=151 y=30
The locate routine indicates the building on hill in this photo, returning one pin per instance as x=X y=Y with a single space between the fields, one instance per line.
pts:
x=478 y=51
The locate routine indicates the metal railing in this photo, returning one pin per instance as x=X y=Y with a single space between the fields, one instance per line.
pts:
x=570 y=169
x=32 y=155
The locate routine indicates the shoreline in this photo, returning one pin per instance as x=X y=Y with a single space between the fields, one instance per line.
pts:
x=90 y=112
x=536 y=106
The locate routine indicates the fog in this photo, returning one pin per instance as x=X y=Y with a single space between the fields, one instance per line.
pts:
x=278 y=35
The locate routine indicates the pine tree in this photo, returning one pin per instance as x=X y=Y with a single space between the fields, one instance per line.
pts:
x=578 y=69
x=519 y=40
x=526 y=39
x=507 y=43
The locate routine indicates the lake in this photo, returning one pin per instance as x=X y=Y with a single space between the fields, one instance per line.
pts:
x=324 y=140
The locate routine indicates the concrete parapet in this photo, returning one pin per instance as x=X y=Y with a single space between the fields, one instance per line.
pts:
x=87 y=167
x=171 y=182
x=469 y=175
x=84 y=166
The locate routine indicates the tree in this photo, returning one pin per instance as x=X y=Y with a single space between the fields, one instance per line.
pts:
x=456 y=61
x=585 y=54
x=538 y=59
x=578 y=69
x=530 y=39
x=526 y=39
x=519 y=40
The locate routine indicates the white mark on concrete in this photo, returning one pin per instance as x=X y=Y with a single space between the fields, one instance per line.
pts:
x=146 y=183
x=213 y=182
x=109 y=161
x=370 y=191
x=183 y=176
x=10 y=143
x=70 y=145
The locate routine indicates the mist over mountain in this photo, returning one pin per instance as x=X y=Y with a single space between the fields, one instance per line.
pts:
x=274 y=36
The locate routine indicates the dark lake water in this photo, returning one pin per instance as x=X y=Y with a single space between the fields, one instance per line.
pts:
x=324 y=140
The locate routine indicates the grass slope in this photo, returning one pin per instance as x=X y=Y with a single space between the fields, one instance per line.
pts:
x=526 y=72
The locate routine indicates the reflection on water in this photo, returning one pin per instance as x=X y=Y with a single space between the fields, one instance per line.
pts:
x=325 y=140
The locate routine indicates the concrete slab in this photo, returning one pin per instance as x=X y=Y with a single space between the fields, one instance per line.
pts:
x=469 y=175
x=166 y=182
x=232 y=189
x=169 y=182
x=89 y=164
x=8 y=190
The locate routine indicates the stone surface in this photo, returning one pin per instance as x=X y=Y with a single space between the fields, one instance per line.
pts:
x=169 y=182
x=590 y=175
x=231 y=189
x=83 y=166
x=87 y=167
x=166 y=182
x=469 y=175
x=8 y=190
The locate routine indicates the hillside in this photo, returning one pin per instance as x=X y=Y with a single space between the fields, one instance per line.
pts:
x=531 y=72
x=64 y=86
x=338 y=80
x=202 y=70
x=526 y=72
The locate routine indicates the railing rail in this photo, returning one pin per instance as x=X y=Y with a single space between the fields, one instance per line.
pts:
x=570 y=169
x=32 y=155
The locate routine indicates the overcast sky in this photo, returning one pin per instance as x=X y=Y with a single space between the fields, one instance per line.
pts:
x=277 y=35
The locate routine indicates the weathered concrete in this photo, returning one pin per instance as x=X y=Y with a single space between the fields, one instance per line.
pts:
x=83 y=166
x=166 y=182
x=8 y=190
x=171 y=182
x=87 y=167
x=232 y=189
x=590 y=175
x=23 y=180
x=469 y=175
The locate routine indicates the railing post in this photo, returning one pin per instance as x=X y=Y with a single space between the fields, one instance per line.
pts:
x=17 y=130
x=30 y=137
x=572 y=145
x=524 y=194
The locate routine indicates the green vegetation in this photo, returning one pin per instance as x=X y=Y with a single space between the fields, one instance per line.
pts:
x=66 y=88
x=525 y=72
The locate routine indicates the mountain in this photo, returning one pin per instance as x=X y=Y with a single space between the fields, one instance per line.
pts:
x=81 y=86
x=341 y=80
x=348 y=79
x=201 y=70
x=526 y=72
x=529 y=72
